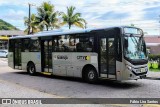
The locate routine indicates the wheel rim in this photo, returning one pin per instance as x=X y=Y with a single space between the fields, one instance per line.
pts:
x=31 y=69
x=91 y=75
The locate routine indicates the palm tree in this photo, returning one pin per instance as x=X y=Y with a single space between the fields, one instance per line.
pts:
x=33 y=24
x=46 y=17
x=72 y=18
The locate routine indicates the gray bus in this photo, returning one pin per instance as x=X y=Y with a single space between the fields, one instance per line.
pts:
x=116 y=53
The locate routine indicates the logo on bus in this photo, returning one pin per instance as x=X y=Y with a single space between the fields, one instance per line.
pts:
x=83 y=57
x=62 y=57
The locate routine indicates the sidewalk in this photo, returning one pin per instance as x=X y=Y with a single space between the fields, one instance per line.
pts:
x=153 y=75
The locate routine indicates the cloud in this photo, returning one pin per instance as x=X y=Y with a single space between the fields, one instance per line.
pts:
x=142 y=13
x=151 y=13
x=14 y=15
x=113 y=15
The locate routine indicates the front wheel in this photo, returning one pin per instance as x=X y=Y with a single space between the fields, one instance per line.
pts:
x=91 y=75
x=31 y=69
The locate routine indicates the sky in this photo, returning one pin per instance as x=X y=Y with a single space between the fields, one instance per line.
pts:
x=144 y=14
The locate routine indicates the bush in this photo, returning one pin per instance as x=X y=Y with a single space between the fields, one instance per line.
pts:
x=153 y=57
x=154 y=61
x=155 y=65
x=149 y=64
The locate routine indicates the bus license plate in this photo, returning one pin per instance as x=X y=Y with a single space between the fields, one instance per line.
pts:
x=142 y=69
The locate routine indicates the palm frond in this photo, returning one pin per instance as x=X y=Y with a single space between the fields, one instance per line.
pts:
x=79 y=24
x=72 y=18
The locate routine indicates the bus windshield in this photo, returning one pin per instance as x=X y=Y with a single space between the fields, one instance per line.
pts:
x=134 y=47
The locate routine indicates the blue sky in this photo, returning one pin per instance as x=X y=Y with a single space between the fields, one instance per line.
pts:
x=98 y=13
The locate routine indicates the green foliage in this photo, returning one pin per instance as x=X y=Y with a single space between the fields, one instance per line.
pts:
x=153 y=57
x=33 y=24
x=72 y=18
x=155 y=65
x=6 y=26
x=154 y=70
x=149 y=65
x=47 y=17
x=154 y=62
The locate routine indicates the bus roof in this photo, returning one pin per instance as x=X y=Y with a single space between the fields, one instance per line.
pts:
x=61 y=32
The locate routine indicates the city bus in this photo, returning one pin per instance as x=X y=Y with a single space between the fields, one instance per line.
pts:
x=116 y=53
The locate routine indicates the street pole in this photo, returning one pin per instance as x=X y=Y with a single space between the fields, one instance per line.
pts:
x=159 y=25
x=29 y=18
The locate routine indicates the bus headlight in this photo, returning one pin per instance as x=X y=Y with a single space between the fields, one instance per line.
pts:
x=129 y=68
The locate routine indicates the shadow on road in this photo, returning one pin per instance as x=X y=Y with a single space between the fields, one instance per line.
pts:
x=107 y=83
x=119 y=84
x=152 y=78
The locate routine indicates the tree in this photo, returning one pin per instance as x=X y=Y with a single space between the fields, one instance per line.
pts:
x=46 y=17
x=72 y=18
x=132 y=24
x=33 y=24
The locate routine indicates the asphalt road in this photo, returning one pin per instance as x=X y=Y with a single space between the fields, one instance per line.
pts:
x=76 y=88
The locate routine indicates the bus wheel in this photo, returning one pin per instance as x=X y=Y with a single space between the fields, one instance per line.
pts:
x=91 y=75
x=31 y=69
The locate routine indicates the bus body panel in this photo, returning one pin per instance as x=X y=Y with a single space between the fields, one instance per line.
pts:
x=10 y=60
x=72 y=63
x=119 y=70
x=129 y=69
x=34 y=57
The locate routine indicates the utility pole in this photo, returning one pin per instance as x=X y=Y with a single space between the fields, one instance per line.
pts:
x=85 y=26
x=159 y=25
x=29 y=17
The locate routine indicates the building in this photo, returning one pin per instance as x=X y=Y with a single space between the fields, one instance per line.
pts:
x=153 y=44
x=5 y=34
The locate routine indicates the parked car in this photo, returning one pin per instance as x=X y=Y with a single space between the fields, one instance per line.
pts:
x=3 y=53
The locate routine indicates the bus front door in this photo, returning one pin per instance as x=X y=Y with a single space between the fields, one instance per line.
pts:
x=107 y=57
x=46 y=55
x=17 y=54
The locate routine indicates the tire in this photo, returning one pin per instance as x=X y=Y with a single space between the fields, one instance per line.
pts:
x=91 y=75
x=31 y=69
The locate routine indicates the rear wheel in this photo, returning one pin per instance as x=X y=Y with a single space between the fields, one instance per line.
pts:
x=91 y=75
x=31 y=69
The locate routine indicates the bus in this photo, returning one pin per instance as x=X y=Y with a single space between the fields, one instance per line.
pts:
x=116 y=53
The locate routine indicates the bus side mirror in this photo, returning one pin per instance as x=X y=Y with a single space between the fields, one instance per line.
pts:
x=125 y=43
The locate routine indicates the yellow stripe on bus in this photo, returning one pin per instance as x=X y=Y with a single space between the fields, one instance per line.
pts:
x=46 y=73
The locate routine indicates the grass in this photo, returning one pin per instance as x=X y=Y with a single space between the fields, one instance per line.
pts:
x=154 y=70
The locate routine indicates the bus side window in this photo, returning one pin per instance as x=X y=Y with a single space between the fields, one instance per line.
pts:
x=66 y=43
x=84 y=44
x=54 y=45
x=25 y=45
x=11 y=45
x=34 y=45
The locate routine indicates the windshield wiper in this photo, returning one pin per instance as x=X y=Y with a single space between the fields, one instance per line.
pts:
x=137 y=43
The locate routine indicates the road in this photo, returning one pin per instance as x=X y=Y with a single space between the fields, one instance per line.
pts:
x=52 y=87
